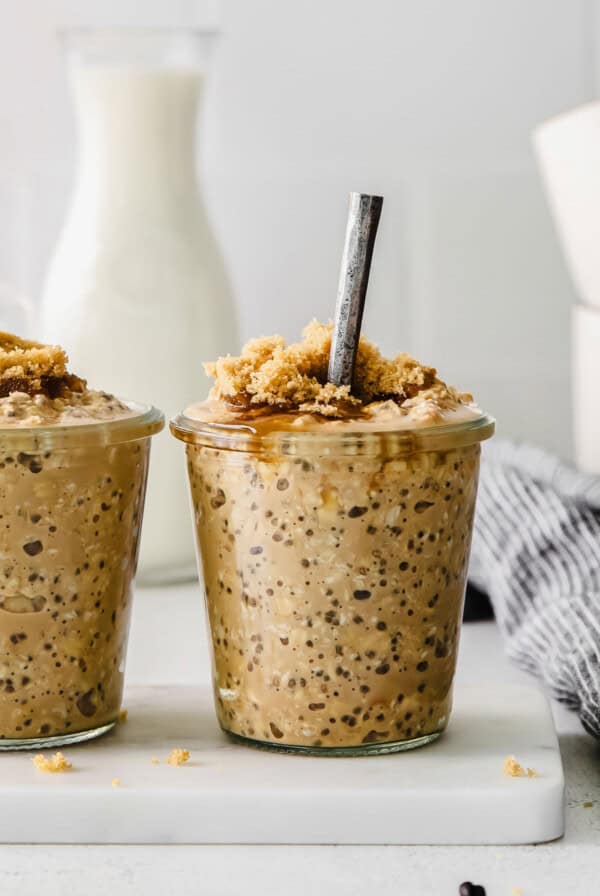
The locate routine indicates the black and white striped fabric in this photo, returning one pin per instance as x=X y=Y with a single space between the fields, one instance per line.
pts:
x=536 y=553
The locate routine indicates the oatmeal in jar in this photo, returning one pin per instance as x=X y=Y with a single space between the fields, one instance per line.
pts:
x=73 y=466
x=334 y=532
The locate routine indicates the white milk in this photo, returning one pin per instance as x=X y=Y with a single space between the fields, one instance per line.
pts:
x=137 y=291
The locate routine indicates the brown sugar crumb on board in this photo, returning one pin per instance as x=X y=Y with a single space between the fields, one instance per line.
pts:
x=116 y=782
x=123 y=715
x=56 y=763
x=178 y=757
x=513 y=769
x=155 y=761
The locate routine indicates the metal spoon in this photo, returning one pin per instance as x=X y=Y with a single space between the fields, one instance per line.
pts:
x=361 y=230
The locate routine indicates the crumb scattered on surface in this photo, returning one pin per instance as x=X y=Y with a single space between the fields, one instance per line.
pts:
x=513 y=769
x=269 y=373
x=178 y=757
x=123 y=715
x=155 y=761
x=588 y=804
x=517 y=891
x=116 y=782
x=56 y=763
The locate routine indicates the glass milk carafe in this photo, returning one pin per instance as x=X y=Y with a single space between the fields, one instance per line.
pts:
x=137 y=291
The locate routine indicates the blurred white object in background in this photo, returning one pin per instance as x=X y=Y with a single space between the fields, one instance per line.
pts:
x=16 y=311
x=16 y=307
x=137 y=291
x=586 y=386
x=568 y=153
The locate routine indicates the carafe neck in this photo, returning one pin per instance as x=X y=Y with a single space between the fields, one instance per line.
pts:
x=137 y=130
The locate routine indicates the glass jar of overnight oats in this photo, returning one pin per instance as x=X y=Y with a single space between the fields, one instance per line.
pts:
x=73 y=467
x=334 y=551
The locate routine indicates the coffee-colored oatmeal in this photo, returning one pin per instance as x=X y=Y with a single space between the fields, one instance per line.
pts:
x=71 y=514
x=334 y=543
x=21 y=409
x=334 y=590
x=56 y=763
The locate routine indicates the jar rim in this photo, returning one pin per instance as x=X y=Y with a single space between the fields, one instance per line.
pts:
x=242 y=437
x=146 y=421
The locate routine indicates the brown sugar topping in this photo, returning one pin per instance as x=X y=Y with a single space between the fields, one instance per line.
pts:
x=269 y=373
x=34 y=368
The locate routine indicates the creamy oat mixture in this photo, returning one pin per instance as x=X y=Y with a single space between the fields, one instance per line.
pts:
x=68 y=544
x=21 y=409
x=334 y=580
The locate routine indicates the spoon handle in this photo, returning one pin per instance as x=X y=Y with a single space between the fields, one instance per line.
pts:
x=361 y=230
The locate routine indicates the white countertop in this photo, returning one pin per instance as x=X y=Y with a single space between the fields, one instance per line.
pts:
x=168 y=645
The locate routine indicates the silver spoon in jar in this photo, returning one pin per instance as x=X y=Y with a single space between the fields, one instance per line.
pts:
x=361 y=230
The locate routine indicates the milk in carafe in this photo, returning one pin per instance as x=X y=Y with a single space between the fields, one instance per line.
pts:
x=137 y=290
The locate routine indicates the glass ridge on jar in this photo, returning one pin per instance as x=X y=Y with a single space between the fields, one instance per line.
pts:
x=71 y=500
x=335 y=569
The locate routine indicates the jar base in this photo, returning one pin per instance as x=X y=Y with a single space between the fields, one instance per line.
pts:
x=397 y=746
x=58 y=740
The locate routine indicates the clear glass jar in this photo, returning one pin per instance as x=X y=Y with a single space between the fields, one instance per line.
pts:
x=335 y=568
x=71 y=500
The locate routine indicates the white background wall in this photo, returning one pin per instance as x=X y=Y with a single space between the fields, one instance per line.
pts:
x=430 y=103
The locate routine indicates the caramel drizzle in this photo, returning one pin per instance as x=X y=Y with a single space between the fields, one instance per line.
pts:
x=242 y=403
x=50 y=386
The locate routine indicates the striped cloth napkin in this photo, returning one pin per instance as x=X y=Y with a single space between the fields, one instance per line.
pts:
x=536 y=553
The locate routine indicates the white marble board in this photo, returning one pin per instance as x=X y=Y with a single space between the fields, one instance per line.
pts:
x=450 y=792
